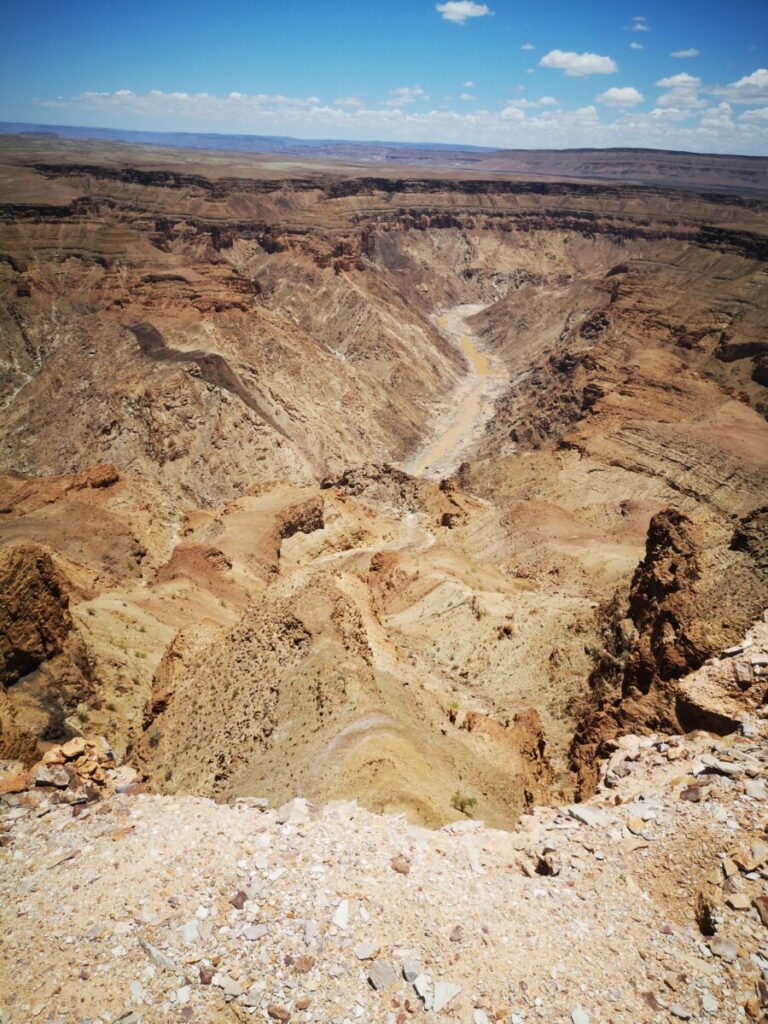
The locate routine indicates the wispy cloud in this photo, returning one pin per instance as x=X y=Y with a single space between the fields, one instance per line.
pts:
x=458 y=11
x=635 y=46
x=466 y=97
x=405 y=95
x=521 y=104
x=468 y=85
x=348 y=101
x=527 y=46
x=693 y=52
x=626 y=96
x=639 y=24
x=579 y=65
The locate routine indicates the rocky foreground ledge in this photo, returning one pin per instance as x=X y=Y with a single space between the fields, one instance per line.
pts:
x=647 y=903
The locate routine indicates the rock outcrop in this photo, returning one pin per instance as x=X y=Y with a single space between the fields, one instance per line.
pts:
x=45 y=671
x=694 y=593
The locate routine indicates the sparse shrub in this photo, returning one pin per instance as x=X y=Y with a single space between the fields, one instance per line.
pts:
x=154 y=736
x=462 y=803
x=139 y=654
x=83 y=712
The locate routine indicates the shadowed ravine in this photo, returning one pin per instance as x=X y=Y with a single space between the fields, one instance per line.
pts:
x=214 y=368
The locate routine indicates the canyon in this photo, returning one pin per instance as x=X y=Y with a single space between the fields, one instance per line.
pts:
x=416 y=486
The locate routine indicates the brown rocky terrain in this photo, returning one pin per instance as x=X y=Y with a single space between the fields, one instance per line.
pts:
x=417 y=489
x=646 y=903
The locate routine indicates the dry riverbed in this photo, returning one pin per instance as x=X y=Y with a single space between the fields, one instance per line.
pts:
x=464 y=416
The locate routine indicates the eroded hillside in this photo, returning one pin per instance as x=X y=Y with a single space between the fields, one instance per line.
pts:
x=407 y=489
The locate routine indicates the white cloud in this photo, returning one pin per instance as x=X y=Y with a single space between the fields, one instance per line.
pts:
x=627 y=96
x=513 y=113
x=635 y=46
x=749 y=89
x=468 y=85
x=527 y=46
x=693 y=52
x=759 y=116
x=716 y=120
x=640 y=24
x=579 y=65
x=676 y=81
x=683 y=94
x=458 y=11
x=530 y=71
x=538 y=124
x=466 y=97
x=405 y=95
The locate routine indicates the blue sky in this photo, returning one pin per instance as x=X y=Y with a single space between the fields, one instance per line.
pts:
x=550 y=73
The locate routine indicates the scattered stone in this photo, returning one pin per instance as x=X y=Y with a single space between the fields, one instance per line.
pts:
x=636 y=826
x=725 y=948
x=400 y=865
x=55 y=775
x=708 y=1003
x=731 y=652
x=754 y=858
x=761 y=906
x=739 y=901
x=258 y=803
x=310 y=931
x=341 y=917
x=755 y=790
x=206 y=975
x=278 y=1012
x=744 y=676
x=366 y=951
x=729 y=867
x=254 y=932
x=423 y=986
x=302 y=1002
x=157 y=956
x=679 y=1011
x=304 y=964
x=579 y=1016
x=228 y=985
x=295 y=811
x=238 y=900
x=411 y=971
x=73 y=748
x=588 y=815
x=443 y=993
x=693 y=794
x=381 y=976
x=718 y=767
